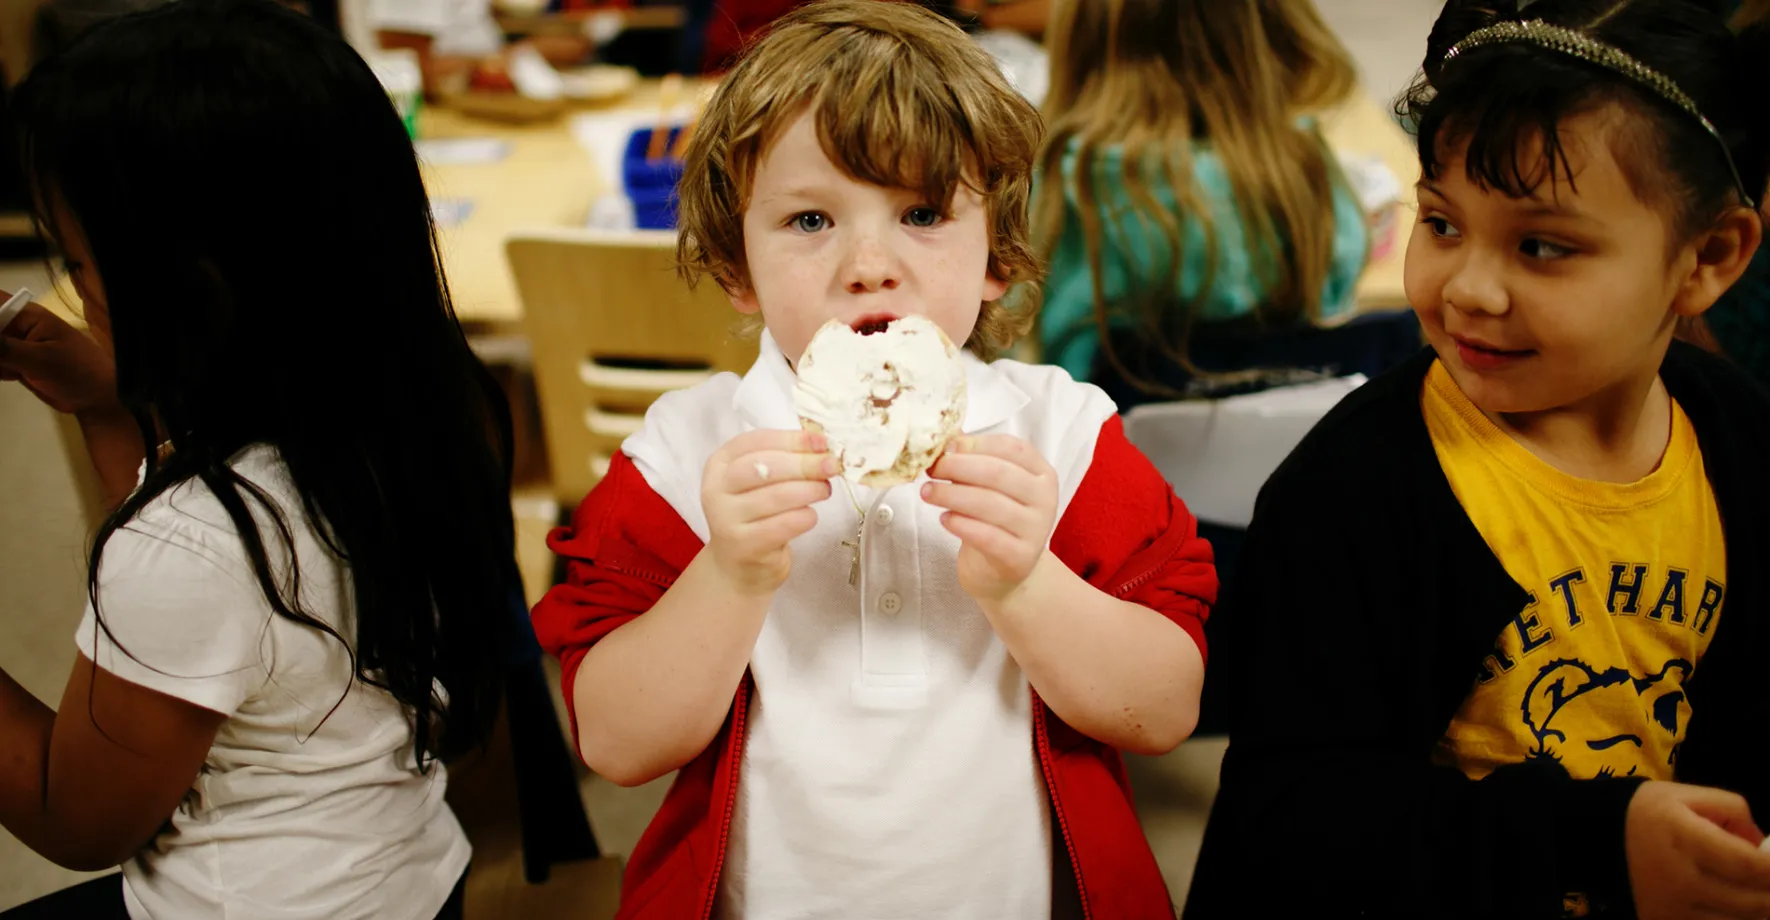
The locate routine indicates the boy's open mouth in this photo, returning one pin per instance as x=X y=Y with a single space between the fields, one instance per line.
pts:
x=872 y=323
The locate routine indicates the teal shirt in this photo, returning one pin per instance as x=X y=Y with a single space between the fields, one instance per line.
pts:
x=1069 y=333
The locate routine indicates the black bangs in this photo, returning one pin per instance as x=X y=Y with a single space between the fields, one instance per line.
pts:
x=1502 y=114
x=1503 y=108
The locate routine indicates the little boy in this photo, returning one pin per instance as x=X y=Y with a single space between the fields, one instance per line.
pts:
x=939 y=739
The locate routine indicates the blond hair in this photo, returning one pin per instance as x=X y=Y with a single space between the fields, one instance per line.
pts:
x=901 y=98
x=1152 y=77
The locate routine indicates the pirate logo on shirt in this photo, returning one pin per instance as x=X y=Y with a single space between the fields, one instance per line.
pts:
x=1592 y=722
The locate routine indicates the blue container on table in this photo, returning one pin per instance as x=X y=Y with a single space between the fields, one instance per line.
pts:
x=651 y=186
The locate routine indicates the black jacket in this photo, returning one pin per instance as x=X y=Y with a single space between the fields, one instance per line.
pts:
x=1360 y=612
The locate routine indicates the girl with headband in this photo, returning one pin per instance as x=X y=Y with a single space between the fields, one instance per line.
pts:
x=1520 y=675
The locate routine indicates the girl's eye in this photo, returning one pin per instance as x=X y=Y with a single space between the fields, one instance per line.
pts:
x=71 y=267
x=1543 y=250
x=809 y=222
x=1441 y=228
x=921 y=217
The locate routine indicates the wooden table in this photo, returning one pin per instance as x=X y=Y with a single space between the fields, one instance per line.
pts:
x=548 y=180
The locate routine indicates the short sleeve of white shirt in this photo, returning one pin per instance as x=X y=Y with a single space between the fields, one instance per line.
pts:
x=181 y=611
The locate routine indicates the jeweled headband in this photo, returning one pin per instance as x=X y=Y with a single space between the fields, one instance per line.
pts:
x=1588 y=49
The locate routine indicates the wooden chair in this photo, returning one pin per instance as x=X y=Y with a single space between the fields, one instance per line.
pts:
x=612 y=327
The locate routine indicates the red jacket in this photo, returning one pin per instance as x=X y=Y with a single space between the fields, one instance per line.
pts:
x=1125 y=532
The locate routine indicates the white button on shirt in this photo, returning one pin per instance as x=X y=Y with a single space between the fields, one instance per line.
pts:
x=889 y=602
x=884 y=515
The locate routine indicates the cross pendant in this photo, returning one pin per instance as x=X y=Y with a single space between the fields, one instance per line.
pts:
x=854 y=553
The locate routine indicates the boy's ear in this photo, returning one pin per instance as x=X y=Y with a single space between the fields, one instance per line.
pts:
x=993 y=287
x=1723 y=252
x=743 y=298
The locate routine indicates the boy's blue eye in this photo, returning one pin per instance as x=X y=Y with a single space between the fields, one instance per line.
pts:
x=810 y=222
x=921 y=217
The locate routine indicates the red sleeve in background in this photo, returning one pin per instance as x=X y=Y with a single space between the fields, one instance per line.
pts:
x=1127 y=533
x=623 y=550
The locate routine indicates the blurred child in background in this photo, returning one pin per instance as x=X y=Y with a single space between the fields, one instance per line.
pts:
x=1184 y=184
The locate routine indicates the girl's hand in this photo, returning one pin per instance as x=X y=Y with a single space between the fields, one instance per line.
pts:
x=757 y=491
x=68 y=371
x=1693 y=852
x=1001 y=501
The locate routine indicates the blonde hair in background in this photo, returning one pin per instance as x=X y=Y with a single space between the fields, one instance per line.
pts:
x=901 y=98
x=1153 y=77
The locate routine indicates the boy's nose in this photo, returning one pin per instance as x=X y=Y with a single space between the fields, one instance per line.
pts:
x=870 y=267
x=1477 y=286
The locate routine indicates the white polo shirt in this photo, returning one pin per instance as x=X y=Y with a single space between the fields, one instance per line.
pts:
x=295 y=815
x=889 y=769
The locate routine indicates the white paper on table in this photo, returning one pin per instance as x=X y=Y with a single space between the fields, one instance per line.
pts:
x=450 y=212
x=461 y=151
x=612 y=211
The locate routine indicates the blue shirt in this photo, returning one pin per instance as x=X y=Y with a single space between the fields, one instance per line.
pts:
x=1136 y=252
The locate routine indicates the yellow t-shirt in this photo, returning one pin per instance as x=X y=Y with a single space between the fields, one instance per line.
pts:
x=1626 y=584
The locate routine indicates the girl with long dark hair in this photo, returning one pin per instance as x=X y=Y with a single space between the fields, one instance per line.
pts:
x=300 y=602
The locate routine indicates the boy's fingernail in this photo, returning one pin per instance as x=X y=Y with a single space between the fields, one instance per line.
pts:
x=829 y=467
x=927 y=489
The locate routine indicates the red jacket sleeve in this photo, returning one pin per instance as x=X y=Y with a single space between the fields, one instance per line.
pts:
x=623 y=550
x=1127 y=533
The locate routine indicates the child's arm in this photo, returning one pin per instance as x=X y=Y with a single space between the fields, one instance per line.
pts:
x=1091 y=620
x=89 y=787
x=1115 y=671
x=649 y=693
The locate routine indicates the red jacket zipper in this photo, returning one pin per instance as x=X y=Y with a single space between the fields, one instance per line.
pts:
x=1042 y=741
x=734 y=759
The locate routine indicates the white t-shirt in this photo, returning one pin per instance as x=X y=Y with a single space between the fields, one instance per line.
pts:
x=457 y=28
x=295 y=815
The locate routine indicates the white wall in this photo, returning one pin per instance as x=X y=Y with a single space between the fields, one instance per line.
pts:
x=1386 y=37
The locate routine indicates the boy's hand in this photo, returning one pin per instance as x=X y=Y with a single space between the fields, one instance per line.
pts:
x=68 y=371
x=757 y=491
x=1693 y=852
x=1001 y=501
